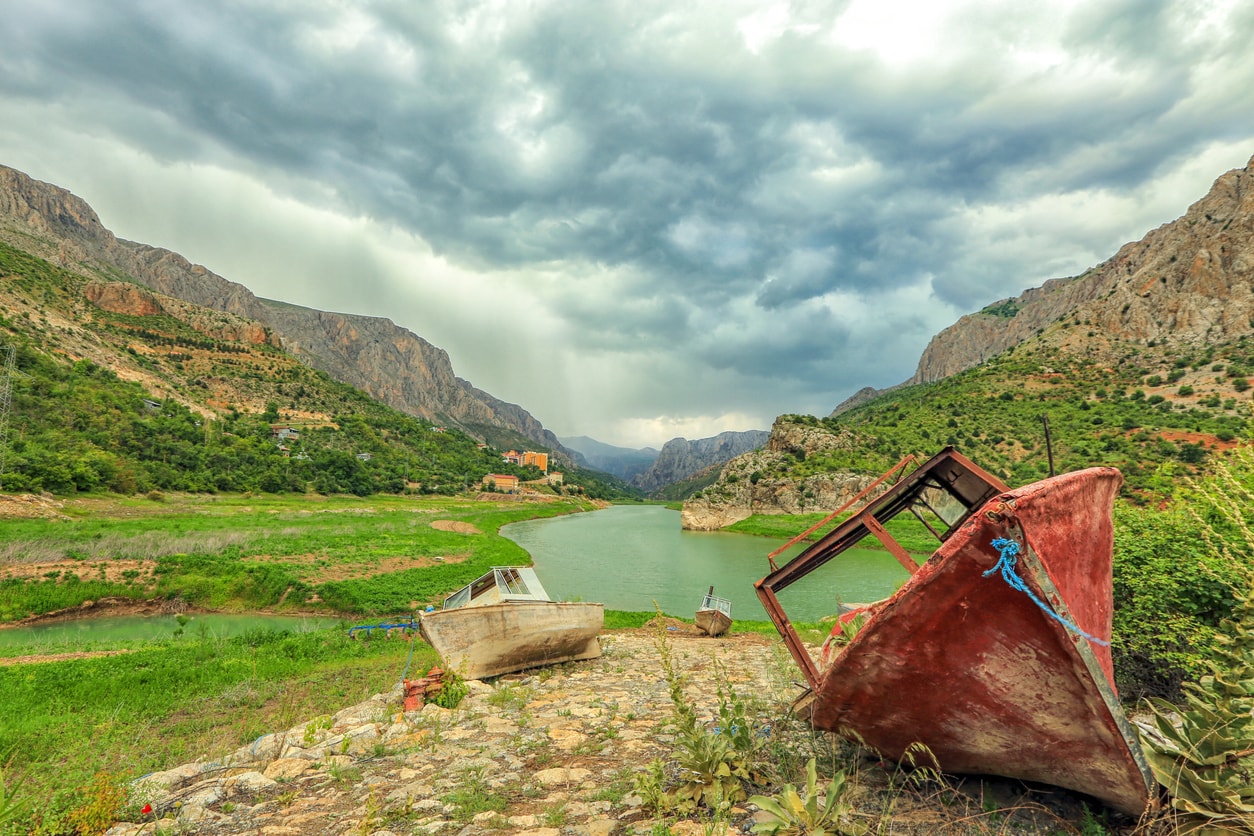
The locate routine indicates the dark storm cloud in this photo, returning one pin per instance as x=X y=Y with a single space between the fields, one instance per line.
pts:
x=768 y=190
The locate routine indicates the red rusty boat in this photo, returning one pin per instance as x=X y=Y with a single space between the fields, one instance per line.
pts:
x=995 y=658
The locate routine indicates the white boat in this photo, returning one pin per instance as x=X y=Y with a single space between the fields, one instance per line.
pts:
x=504 y=622
x=714 y=615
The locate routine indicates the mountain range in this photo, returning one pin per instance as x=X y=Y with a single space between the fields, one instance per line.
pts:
x=1144 y=362
x=1187 y=283
x=390 y=363
x=1185 y=286
x=372 y=354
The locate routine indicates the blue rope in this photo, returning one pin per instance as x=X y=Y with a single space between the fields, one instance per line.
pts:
x=1009 y=550
x=405 y=625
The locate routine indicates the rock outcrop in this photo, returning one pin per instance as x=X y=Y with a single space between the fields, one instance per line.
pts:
x=1186 y=283
x=133 y=300
x=681 y=458
x=372 y=354
x=746 y=485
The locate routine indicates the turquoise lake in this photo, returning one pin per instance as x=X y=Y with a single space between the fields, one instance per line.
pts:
x=630 y=556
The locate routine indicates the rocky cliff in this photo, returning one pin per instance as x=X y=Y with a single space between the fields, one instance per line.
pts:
x=681 y=458
x=372 y=354
x=1186 y=283
x=133 y=300
x=749 y=484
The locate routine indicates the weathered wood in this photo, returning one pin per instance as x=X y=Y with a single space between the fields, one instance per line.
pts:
x=480 y=642
x=983 y=677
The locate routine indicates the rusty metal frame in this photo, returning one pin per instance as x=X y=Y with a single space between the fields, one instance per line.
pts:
x=948 y=471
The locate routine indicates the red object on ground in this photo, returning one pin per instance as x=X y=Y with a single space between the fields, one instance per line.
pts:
x=416 y=690
x=976 y=671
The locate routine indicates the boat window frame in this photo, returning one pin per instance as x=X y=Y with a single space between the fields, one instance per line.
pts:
x=948 y=472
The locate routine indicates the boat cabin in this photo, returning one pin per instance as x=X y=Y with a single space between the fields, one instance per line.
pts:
x=713 y=603
x=503 y=585
x=942 y=493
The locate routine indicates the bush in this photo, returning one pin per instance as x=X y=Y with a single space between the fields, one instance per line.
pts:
x=1166 y=604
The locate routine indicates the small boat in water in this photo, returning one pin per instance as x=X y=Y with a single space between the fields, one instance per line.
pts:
x=504 y=621
x=714 y=615
x=994 y=655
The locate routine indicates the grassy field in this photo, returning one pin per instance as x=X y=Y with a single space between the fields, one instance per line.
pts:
x=167 y=702
x=312 y=554
x=162 y=703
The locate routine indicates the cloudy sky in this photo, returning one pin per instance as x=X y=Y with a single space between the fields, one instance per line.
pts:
x=644 y=219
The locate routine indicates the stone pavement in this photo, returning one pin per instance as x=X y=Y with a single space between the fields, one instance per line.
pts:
x=550 y=752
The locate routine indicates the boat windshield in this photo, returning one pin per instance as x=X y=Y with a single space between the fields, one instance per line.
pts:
x=713 y=602
x=504 y=584
x=942 y=493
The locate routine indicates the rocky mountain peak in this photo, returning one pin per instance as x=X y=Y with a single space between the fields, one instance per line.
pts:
x=372 y=354
x=681 y=458
x=751 y=482
x=1187 y=282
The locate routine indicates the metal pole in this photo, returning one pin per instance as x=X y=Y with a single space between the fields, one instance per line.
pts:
x=1049 y=445
x=6 y=400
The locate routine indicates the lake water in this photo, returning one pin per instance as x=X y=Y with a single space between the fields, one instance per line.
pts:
x=626 y=556
x=79 y=633
x=630 y=556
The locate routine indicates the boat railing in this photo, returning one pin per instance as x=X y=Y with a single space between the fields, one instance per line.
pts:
x=713 y=602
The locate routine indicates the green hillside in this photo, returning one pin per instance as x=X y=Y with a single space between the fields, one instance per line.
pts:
x=106 y=401
x=1155 y=418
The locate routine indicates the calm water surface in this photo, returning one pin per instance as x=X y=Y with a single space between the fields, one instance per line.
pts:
x=74 y=635
x=629 y=556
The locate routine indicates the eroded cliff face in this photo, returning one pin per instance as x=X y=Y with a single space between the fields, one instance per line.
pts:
x=746 y=486
x=373 y=354
x=133 y=300
x=1185 y=283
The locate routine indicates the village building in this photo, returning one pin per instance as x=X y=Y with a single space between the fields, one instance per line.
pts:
x=527 y=457
x=502 y=481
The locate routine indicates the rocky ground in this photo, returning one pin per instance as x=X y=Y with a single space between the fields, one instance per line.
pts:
x=550 y=752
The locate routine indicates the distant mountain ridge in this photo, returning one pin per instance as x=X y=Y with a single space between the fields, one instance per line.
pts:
x=624 y=462
x=372 y=354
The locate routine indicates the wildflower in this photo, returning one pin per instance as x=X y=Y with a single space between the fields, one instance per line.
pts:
x=146 y=809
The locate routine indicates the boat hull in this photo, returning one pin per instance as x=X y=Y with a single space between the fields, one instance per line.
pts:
x=486 y=641
x=981 y=676
x=712 y=622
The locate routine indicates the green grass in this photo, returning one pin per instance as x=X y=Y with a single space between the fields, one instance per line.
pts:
x=171 y=703
x=337 y=555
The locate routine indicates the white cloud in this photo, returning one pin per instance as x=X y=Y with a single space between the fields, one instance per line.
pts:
x=638 y=221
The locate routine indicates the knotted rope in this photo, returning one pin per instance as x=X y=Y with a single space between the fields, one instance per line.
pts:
x=1009 y=551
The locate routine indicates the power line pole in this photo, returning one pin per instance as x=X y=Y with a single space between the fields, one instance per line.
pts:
x=6 y=401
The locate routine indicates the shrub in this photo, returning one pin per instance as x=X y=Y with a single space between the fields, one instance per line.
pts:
x=791 y=814
x=1202 y=753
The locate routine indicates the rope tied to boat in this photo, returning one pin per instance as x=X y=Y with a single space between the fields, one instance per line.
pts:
x=1009 y=551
